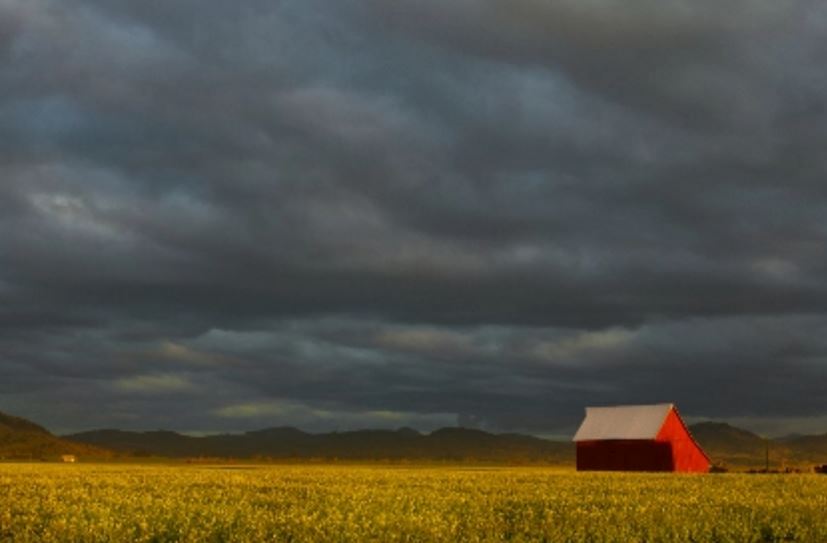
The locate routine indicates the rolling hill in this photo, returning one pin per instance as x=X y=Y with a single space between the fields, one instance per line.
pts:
x=726 y=444
x=809 y=448
x=23 y=439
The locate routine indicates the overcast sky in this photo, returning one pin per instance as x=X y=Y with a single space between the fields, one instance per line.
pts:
x=221 y=216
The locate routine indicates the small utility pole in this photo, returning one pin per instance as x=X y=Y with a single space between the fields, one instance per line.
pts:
x=766 y=454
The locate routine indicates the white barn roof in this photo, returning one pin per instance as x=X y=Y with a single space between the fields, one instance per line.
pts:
x=623 y=422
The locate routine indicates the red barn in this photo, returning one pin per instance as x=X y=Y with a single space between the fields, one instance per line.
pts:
x=637 y=438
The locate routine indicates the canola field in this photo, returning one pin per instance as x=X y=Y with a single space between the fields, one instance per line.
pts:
x=78 y=503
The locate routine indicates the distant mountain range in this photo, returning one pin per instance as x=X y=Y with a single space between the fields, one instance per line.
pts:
x=446 y=444
x=723 y=443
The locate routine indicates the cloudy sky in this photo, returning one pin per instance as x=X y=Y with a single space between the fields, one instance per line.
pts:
x=220 y=216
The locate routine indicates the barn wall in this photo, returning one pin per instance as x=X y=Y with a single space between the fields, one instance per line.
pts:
x=624 y=455
x=686 y=454
x=672 y=449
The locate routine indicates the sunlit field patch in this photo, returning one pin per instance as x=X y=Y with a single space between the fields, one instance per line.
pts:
x=58 y=503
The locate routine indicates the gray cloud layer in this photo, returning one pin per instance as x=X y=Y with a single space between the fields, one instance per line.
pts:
x=365 y=213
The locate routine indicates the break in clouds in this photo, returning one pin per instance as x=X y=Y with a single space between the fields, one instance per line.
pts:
x=364 y=213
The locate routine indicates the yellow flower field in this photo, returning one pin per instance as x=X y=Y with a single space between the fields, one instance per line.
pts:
x=65 y=503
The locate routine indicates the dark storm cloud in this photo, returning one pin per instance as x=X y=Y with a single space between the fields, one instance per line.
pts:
x=380 y=213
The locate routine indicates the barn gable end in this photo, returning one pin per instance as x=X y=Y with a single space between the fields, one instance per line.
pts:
x=637 y=438
x=686 y=453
